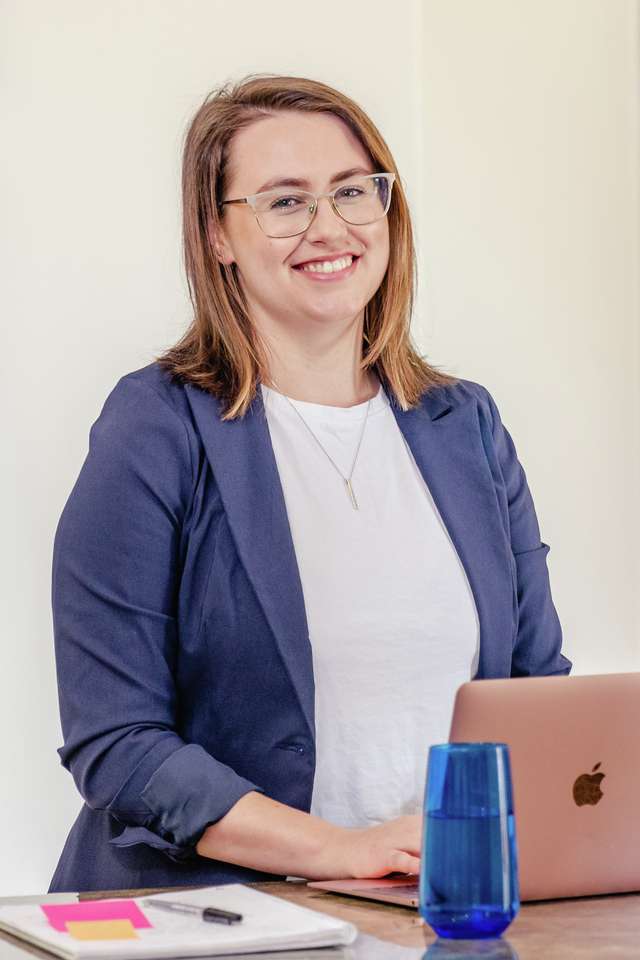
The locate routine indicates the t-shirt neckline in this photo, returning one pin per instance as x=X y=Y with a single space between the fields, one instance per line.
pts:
x=323 y=411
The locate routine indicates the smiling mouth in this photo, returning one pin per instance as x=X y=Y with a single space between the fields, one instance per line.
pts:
x=327 y=267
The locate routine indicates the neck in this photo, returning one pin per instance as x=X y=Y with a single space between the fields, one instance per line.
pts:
x=324 y=369
x=330 y=392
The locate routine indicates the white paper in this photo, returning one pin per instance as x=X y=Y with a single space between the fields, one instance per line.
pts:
x=269 y=923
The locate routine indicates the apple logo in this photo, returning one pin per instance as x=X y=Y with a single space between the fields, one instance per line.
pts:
x=586 y=789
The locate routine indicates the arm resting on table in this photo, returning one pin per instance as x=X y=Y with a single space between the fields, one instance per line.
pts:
x=261 y=833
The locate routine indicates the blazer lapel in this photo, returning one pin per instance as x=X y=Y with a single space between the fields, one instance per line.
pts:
x=447 y=446
x=245 y=469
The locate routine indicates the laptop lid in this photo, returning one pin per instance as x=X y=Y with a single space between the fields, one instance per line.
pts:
x=575 y=762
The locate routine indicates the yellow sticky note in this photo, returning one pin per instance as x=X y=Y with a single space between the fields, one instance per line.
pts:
x=102 y=929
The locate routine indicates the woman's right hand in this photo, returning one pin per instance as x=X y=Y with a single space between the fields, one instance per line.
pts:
x=391 y=847
x=264 y=834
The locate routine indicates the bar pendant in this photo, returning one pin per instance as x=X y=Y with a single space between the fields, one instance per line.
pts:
x=351 y=494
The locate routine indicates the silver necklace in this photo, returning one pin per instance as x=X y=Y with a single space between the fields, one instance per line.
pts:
x=346 y=480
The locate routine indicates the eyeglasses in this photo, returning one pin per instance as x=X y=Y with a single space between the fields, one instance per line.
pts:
x=287 y=213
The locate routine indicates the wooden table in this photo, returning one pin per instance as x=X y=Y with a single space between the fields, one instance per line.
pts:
x=589 y=927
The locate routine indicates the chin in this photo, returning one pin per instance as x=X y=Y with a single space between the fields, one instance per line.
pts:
x=331 y=311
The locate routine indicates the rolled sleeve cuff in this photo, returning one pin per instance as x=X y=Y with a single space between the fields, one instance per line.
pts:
x=188 y=791
x=130 y=836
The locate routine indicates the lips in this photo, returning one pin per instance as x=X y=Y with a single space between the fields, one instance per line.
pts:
x=313 y=271
x=330 y=258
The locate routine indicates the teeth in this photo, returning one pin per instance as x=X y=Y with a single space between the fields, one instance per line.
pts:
x=329 y=266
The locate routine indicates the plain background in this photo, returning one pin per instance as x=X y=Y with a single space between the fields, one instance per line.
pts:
x=515 y=128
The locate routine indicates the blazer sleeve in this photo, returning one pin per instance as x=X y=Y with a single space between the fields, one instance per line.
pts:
x=116 y=571
x=537 y=646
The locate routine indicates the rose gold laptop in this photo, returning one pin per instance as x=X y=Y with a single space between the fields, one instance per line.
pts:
x=575 y=762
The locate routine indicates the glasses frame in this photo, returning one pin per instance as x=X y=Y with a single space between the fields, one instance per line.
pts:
x=313 y=204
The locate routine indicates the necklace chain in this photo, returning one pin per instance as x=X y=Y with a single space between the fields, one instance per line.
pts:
x=346 y=480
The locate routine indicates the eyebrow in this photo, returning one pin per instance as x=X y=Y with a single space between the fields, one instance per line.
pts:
x=304 y=184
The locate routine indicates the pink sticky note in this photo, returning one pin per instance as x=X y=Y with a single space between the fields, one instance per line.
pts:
x=58 y=913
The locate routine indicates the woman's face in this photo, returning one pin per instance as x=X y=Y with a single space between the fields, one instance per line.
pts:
x=313 y=148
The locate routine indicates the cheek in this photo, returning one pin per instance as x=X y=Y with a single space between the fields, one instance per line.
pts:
x=262 y=262
x=271 y=258
x=379 y=250
x=384 y=240
x=376 y=242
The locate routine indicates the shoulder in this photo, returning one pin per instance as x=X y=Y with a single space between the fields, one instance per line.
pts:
x=146 y=417
x=445 y=399
x=153 y=388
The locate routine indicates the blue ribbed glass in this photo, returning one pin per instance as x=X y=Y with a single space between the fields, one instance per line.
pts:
x=469 y=871
x=498 y=949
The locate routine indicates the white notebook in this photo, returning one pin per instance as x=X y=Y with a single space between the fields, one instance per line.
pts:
x=270 y=923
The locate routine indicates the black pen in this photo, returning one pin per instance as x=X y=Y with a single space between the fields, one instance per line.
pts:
x=210 y=914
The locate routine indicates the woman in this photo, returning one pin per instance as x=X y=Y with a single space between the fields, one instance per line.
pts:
x=292 y=538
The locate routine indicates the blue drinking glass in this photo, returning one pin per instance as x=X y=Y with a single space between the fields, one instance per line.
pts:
x=470 y=950
x=469 y=871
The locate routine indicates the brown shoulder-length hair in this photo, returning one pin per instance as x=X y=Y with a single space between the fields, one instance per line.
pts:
x=221 y=351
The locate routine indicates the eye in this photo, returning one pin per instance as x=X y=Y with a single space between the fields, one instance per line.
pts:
x=349 y=193
x=285 y=203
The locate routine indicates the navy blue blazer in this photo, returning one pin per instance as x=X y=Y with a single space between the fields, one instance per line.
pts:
x=183 y=654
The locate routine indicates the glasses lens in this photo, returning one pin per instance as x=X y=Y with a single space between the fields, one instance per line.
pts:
x=283 y=214
x=364 y=200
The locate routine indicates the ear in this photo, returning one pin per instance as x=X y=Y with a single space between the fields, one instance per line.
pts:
x=221 y=246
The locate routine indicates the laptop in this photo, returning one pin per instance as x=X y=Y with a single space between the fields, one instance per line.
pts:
x=575 y=762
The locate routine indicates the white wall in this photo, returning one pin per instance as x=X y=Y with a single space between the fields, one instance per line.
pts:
x=529 y=234
x=515 y=128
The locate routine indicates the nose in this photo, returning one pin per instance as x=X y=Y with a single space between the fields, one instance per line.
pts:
x=326 y=225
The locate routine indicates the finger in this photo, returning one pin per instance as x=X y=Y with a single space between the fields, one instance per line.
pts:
x=413 y=849
x=404 y=862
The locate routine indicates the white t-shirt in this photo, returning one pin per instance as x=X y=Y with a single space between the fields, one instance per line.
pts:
x=392 y=621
